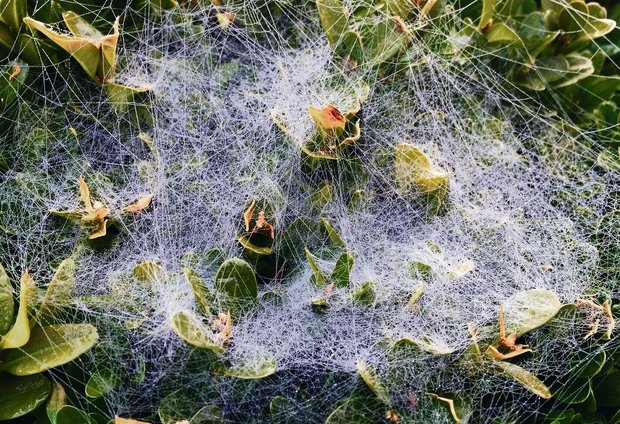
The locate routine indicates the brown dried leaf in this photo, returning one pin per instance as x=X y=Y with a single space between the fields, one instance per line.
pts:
x=141 y=204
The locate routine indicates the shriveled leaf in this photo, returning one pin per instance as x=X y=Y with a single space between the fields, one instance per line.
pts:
x=21 y=395
x=370 y=377
x=450 y=404
x=142 y=203
x=191 y=329
x=119 y=420
x=49 y=347
x=256 y=368
x=530 y=309
x=328 y=117
x=526 y=378
x=19 y=334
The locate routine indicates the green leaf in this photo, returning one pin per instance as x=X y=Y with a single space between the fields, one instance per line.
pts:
x=386 y=40
x=256 y=368
x=332 y=233
x=123 y=96
x=96 y=55
x=502 y=33
x=318 y=276
x=579 y=67
x=58 y=294
x=191 y=329
x=523 y=376
x=236 y=279
x=488 y=12
x=415 y=173
x=71 y=415
x=21 y=395
x=426 y=344
x=148 y=272
x=101 y=382
x=12 y=12
x=365 y=295
x=342 y=271
x=526 y=310
x=19 y=334
x=200 y=290
x=401 y=8
x=247 y=244
x=370 y=377
x=57 y=399
x=607 y=391
x=49 y=347
x=573 y=392
x=358 y=410
x=588 y=363
x=210 y=414
x=6 y=303
x=334 y=20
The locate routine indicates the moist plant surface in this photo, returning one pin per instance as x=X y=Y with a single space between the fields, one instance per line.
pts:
x=339 y=211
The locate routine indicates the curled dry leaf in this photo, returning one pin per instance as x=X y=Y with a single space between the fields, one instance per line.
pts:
x=141 y=204
x=222 y=326
x=16 y=71
x=594 y=313
x=328 y=118
x=506 y=342
x=450 y=404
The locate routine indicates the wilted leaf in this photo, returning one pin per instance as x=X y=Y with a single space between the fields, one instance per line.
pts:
x=142 y=203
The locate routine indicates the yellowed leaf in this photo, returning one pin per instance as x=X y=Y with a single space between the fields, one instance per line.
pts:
x=328 y=117
x=19 y=334
x=119 y=420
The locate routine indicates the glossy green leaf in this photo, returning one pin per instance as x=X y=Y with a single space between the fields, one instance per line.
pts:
x=370 y=377
x=21 y=395
x=488 y=12
x=49 y=347
x=6 y=303
x=342 y=271
x=12 y=12
x=333 y=18
x=237 y=280
x=256 y=368
x=200 y=290
x=71 y=415
x=502 y=33
x=526 y=378
x=526 y=310
x=101 y=382
x=19 y=334
x=191 y=329
x=58 y=294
